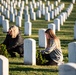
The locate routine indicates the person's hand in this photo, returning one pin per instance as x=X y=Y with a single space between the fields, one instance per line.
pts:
x=42 y=51
x=46 y=52
x=8 y=48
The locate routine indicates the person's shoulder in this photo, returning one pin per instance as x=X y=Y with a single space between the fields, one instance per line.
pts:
x=19 y=36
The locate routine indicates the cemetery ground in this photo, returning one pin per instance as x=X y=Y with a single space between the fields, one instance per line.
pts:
x=66 y=35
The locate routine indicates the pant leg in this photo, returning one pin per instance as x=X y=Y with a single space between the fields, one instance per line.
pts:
x=19 y=50
x=50 y=61
x=11 y=52
x=46 y=56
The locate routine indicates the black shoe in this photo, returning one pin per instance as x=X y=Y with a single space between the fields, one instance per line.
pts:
x=13 y=55
x=47 y=63
x=21 y=55
x=50 y=63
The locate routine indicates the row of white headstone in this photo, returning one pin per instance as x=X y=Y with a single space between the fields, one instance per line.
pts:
x=54 y=26
x=48 y=11
x=28 y=25
x=12 y=6
x=12 y=13
x=70 y=67
x=30 y=58
x=30 y=54
x=12 y=18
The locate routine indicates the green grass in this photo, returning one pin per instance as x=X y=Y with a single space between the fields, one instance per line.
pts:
x=66 y=35
x=18 y=68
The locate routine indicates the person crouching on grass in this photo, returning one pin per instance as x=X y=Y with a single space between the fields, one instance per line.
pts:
x=14 y=41
x=52 y=52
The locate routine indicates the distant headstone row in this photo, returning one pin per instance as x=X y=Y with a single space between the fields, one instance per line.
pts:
x=48 y=11
x=30 y=44
x=70 y=67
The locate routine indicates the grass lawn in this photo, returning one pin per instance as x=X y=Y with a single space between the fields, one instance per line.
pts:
x=66 y=35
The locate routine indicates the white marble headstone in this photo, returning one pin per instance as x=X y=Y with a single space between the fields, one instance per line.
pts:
x=52 y=14
x=57 y=24
x=18 y=21
x=67 y=69
x=33 y=16
x=4 y=65
x=61 y=19
x=29 y=51
x=72 y=52
x=5 y=25
x=27 y=17
x=75 y=30
x=52 y=26
x=47 y=16
x=38 y=13
x=42 y=38
x=28 y=28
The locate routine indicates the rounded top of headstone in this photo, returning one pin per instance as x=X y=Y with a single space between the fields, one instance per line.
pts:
x=29 y=39
x=56 y=19
x=72 y=43
x=75 y=22
x=71 y=64
x=51 y=24
x=67 y=66
x=60 y=16
x=2 y=57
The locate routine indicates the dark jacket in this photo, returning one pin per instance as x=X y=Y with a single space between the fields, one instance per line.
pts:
x=13 y=42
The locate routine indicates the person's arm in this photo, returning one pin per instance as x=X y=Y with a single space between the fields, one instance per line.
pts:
x=51 y=48
x=6 y=40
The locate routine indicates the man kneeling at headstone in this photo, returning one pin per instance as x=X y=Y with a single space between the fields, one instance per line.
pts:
x=14 y=41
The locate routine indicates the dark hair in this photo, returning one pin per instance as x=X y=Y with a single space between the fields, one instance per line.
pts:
x=11 y=27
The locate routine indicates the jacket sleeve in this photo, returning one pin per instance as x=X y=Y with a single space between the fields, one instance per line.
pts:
x=6 y=40
x=18 y=41
x=51 y=48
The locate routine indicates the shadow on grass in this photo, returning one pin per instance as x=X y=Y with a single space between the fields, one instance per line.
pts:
x=67 y=41
x=66 y=34
x=20 y=66
x=16 y=63
x=33 y=69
